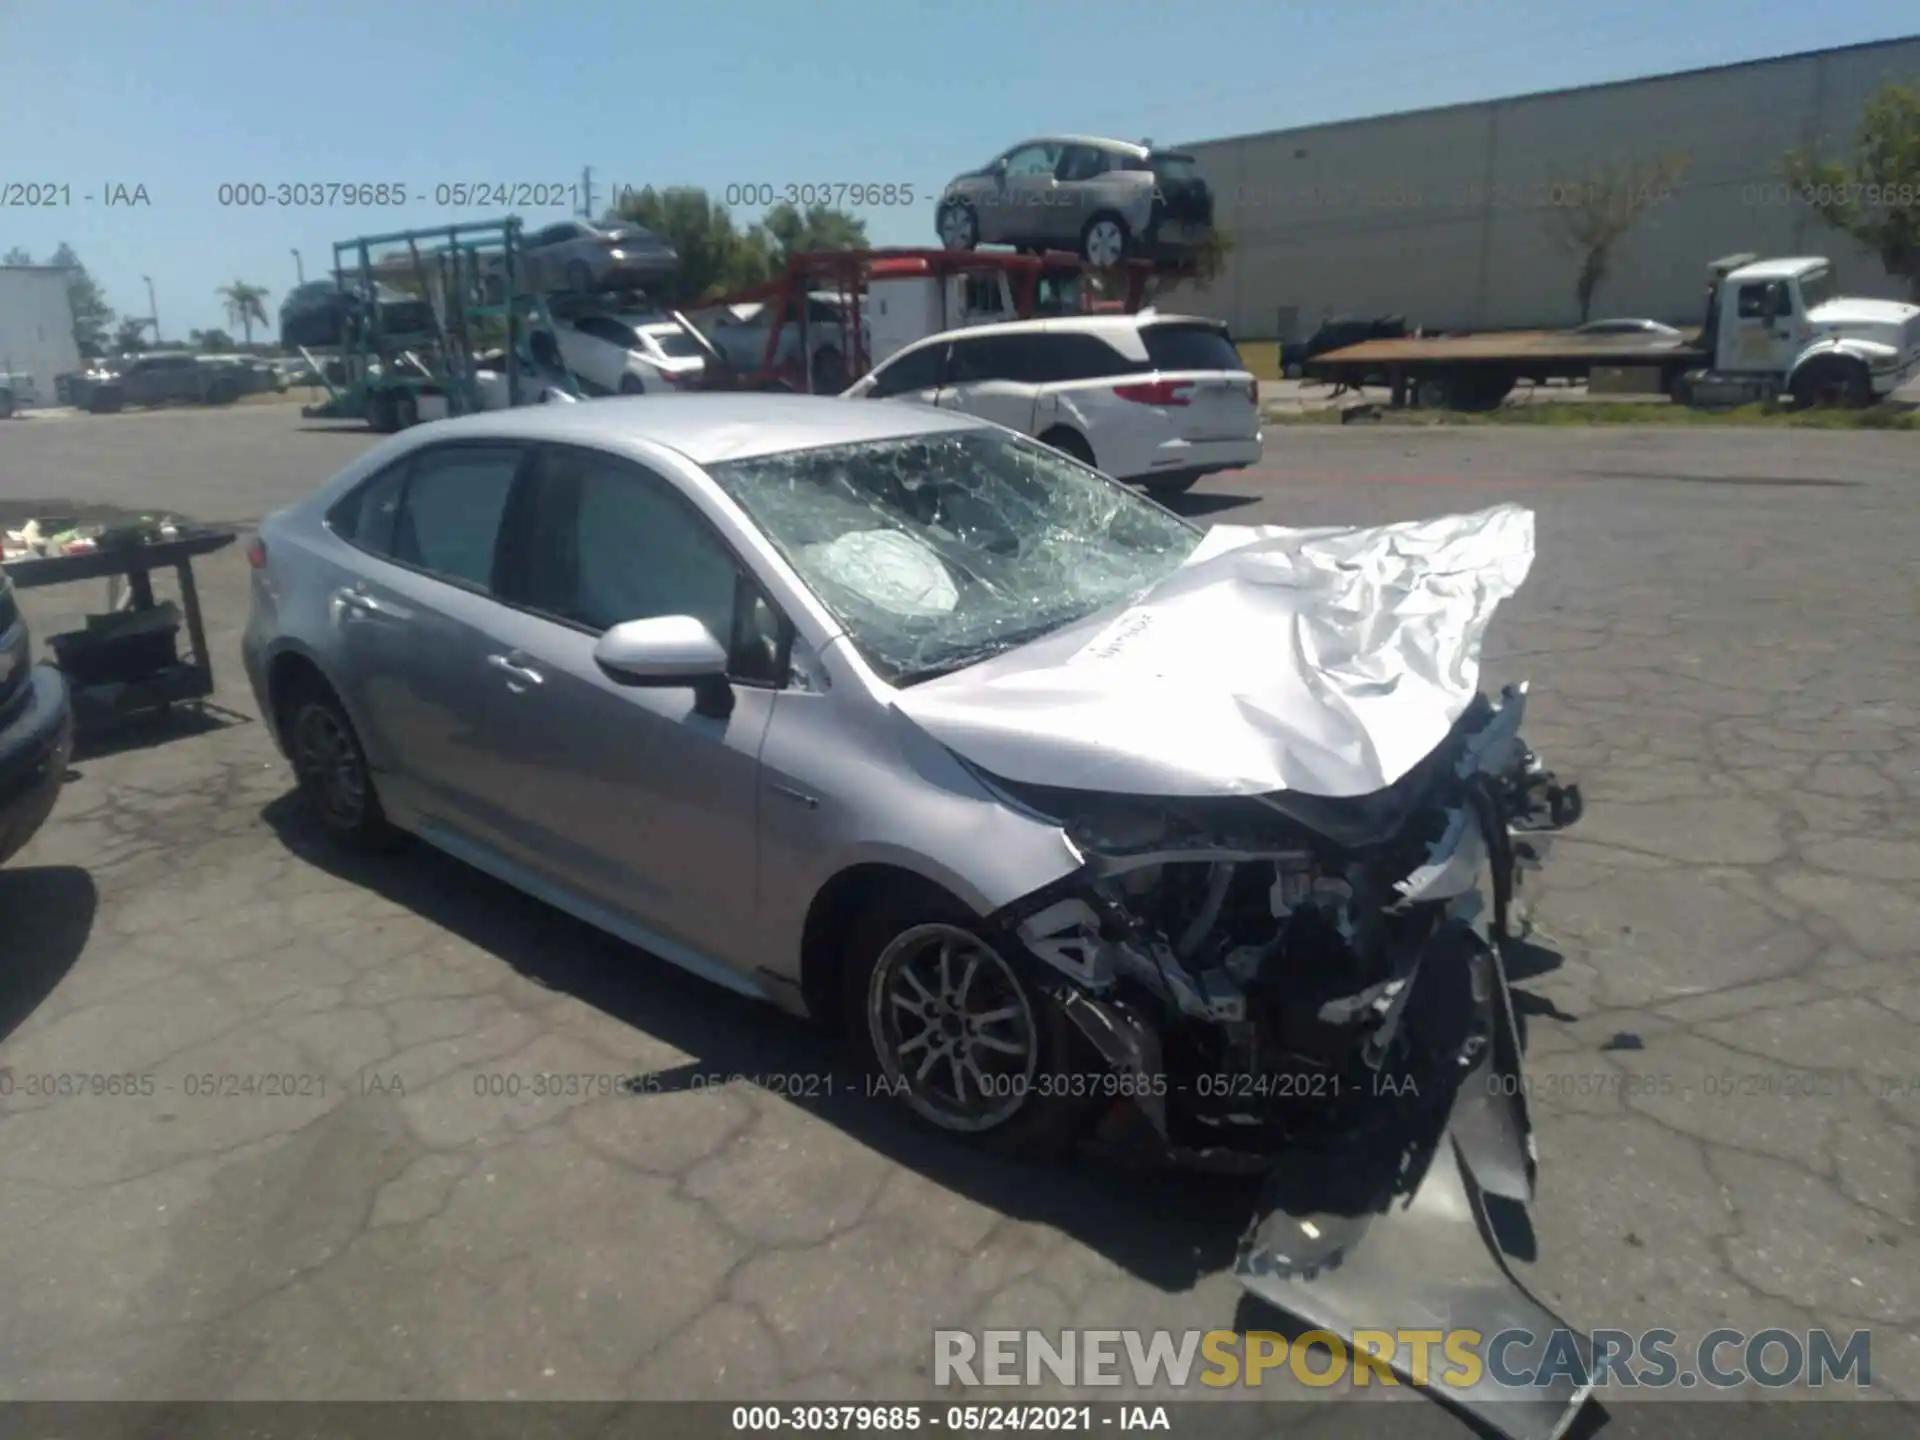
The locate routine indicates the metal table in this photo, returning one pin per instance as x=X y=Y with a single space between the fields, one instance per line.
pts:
x=99 y=705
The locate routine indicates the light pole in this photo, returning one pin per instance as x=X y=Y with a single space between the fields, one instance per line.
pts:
x=299 y=268
x=153 y=311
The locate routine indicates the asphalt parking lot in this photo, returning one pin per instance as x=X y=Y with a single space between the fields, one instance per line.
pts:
x=1720 y=631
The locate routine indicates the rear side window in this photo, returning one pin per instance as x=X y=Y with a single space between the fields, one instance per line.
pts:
x=1058 y=358
x=1174 y=167
x=1190 y=347
x=446 y=517
x=1000 y=357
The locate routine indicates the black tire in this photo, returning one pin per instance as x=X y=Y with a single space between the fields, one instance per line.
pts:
x=958 y=226
x=632 y=385
x=1070 y=442
x=1167 y=489
x=335 y=781
x=1030 y=1119
x=6 y=404
x=579 y=277
x=105 y=402
x=380 y=416
x=1094 y=235
x=406 y=412
x=1832 y=381
x=829 y=371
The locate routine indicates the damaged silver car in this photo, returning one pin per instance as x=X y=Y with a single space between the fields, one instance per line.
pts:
x=1081 y=823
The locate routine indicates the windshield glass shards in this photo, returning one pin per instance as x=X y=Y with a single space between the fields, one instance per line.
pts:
x=937 y=551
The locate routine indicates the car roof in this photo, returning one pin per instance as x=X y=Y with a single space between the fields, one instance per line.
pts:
x=1101 y=325
x=1099 y=142
x=706 y=428
x=1792 y=267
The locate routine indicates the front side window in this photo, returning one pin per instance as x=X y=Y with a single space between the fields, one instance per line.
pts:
x=915 y=371
x=1754 y=302
x=612 y=542
x=1032 y=161
x=449 y=514
x=937 y=551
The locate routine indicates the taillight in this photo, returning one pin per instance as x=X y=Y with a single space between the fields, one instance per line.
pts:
x=257 y=553
x=1253 y=391
x=1156 y=392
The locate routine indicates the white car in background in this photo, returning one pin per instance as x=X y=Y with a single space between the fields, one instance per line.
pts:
x=629 y=354
x=1154 y=400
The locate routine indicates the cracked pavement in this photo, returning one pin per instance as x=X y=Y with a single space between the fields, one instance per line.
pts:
x=1723 y=1023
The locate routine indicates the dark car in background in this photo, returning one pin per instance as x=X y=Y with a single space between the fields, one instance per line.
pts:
x=36 y=731
x=160 y=377
x=1107 y=200
x=323 y=313
x=1336 y=334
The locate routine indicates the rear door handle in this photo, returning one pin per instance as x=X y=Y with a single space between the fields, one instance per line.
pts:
x=517 y=674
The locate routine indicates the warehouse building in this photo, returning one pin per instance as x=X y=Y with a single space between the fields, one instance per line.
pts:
x=1446 y=216
x=36 y=325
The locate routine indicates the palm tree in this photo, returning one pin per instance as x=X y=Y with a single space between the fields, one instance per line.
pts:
x=246 y=305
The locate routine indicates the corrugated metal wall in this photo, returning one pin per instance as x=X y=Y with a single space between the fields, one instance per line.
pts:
x=1445 y=216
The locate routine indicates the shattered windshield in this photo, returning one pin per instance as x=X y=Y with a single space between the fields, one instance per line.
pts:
x=938 y=551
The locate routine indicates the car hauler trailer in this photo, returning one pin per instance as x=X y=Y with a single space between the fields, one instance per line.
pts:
x=873 y=303
x=1772 y=328
x=486 y=340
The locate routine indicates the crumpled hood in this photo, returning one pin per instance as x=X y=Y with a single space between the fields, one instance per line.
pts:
x=1325 y=661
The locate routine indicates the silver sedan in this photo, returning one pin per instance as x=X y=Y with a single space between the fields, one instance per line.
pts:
x=1068 y=817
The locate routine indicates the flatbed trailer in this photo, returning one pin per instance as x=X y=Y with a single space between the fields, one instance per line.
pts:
x=1028 y=285
x=1477 y=372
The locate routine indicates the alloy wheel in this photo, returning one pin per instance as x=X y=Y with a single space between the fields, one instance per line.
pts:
x=327 y=761
x=952 y=1028
x=1106 y=244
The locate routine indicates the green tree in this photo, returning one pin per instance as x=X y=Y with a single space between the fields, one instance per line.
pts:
x=1591 y=215
x=1874 y=196
x=213 y=341
x=131 y=337
x=91 y=314
x=246 y=306
x=16 y=256
x=819 y=227
x=716 y=255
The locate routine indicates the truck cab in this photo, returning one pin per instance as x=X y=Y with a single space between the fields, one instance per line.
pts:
x=1779 y=325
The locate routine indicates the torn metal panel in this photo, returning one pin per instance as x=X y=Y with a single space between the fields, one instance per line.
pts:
x=1328 y=662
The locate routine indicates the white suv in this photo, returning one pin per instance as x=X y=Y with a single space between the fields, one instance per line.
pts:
x=1156 y=400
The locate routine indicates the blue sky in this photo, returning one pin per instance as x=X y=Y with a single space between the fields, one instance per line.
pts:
x=183 y=95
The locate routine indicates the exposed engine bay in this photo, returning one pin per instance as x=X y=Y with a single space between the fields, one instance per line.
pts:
x=1315 y=989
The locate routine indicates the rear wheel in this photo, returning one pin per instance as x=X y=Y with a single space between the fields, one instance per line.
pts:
x=1105 y=240
x=958 y=226
x=954 y=1030
x=335 y=781
x=632 y=385
x=1162 y=489
x=1832 y=381
x=406 y=411
x=1069 y=442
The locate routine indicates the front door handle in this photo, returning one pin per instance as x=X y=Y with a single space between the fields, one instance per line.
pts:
x=518 y=675
x=356 y=601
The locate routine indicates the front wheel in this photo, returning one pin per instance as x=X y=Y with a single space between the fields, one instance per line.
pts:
x=1832 y=382
x=829 y=372
x=949 y=1026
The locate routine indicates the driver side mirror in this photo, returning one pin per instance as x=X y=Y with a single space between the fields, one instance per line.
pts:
x=669 y=652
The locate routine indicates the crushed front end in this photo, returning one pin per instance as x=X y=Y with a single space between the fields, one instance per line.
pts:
x=1316 y=988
